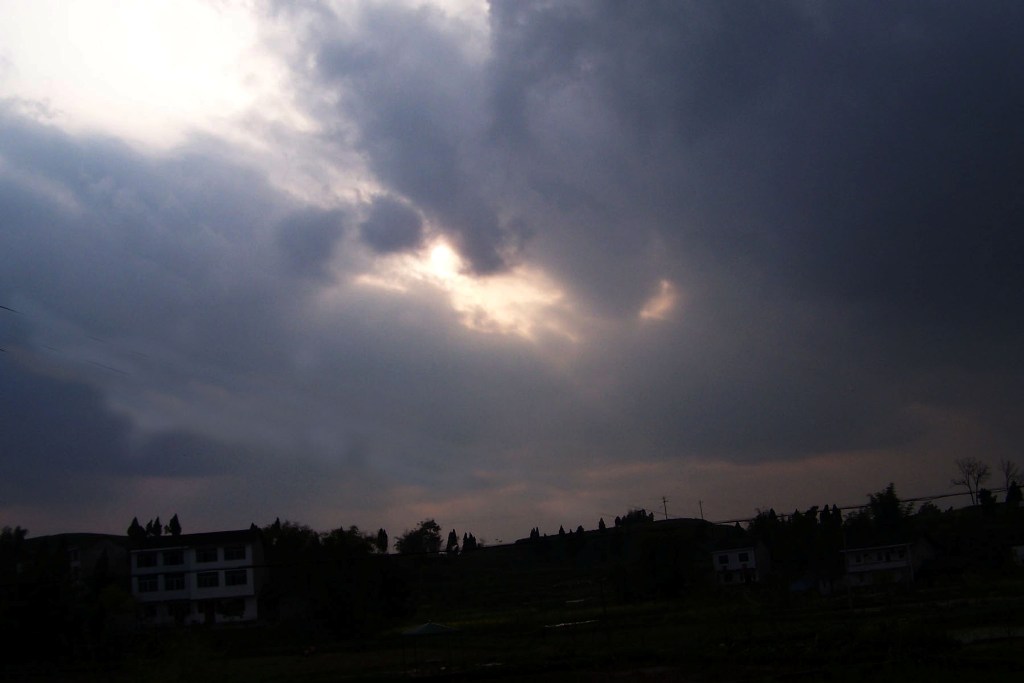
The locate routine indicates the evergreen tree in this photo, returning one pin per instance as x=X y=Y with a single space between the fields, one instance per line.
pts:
x=174 y=527
x=382 y=541
x=1013 y=494
x=601 y=525
x=452 y=548
x=987 y=500
x=135 y=530
x=425 y=538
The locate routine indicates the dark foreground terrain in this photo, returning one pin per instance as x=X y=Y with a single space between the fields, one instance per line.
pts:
x=569 y=631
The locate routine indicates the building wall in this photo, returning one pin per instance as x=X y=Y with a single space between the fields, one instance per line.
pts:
x=879 y=565
x=737 y=566
x=198 y=583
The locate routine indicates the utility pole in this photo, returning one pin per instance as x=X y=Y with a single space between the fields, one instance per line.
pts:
x=664 y=504
x=701 y=504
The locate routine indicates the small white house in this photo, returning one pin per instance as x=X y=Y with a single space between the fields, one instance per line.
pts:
x=211 y=578
x=884 y=564
x=741 y=563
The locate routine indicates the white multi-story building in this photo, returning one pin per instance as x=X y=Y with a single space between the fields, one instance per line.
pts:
x=883 y=564
x=740 y=563
x=198 y=578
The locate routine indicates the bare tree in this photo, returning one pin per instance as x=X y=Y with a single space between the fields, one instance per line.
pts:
x=1011 y=473
x=972 y=473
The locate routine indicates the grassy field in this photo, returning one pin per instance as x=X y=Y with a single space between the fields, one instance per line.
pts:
x=571 y=631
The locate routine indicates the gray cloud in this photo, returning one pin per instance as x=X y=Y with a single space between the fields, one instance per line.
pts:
x=833 y=193
x=391 y=226
x=307 y=241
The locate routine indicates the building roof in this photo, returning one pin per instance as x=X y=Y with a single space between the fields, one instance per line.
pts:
x=191 y=540
x=869 y=548
x=73 y=539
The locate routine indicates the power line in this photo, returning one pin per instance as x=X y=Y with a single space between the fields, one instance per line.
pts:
x=916 y=499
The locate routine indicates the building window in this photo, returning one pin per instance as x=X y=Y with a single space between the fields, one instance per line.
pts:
x=148 y=584
x=207 y=579
x=173 y=557
x=234 y=552
x=723 y=559
x=744 y=557
x=206 y=554
x=174 y=582
x=145 y=559
x=236 y=577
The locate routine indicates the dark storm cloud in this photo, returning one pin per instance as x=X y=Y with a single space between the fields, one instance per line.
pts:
x=54 y=430
x=169 y=328
x=308 y=239
x=415 y=98
x=867 y=154
x=391 y=226
x=833 y=189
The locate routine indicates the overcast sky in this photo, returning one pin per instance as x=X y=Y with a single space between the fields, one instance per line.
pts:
x=506 y=266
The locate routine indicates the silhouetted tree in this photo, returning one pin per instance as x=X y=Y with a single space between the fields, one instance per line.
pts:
x=135 y=530
x=973 y=474
x=635 y=517
x=1010 y=472
x=11 y=542
x=887 y=511
x=1013 y=494
x=452 y=547
x=469 y=543
x=344 y=543
x=425 y=538
x=600 y=524
x=290 y=538
x=154 y=528
x=928 y=510
x=579 y=529
x=987 y=500
x=174 y=526
x=561 y=530
x=382 y=541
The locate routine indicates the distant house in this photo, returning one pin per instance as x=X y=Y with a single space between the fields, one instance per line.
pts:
x=740 y=562
x=896 y=563
x=210 y=578
x=82 y=557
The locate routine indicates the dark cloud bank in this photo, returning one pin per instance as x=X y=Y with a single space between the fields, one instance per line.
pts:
x=834 y=191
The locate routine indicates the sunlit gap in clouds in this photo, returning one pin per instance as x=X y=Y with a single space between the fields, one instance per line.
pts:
x=662 y=304
x=522 y=301
x=150 y=72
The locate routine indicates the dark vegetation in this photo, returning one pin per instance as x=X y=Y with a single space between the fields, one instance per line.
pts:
x=637 y=599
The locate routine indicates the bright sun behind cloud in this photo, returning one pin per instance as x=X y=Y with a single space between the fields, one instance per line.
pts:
x=523 y=301
x=148 y=71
